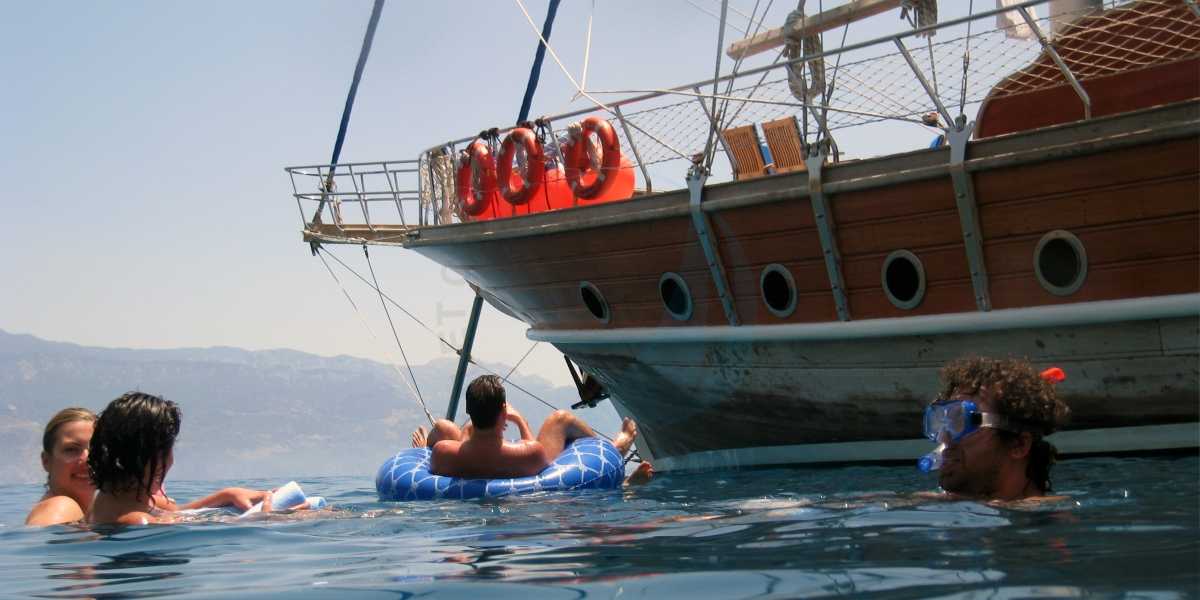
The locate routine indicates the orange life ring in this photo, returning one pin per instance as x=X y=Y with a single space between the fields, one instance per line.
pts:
x=578 y=162
x=476 y=179
x=535 y=167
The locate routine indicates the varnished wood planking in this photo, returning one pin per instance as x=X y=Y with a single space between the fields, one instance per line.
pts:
x=1139 y=279
x=1074 y=175
x=751 y=238
x=1089 y=208
x=1156 y=239
x=602 y=267
x=893 y=203
x=945 y=297
x=622 y=240
x=944 y=263
x=911 y=216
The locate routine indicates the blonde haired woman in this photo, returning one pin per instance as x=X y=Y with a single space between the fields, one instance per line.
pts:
x=69 y=488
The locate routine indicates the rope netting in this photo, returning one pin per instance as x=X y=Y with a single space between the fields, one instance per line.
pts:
x=882 y=86
x=965 y=62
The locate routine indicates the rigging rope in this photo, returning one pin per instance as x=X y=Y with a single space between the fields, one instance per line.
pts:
x=538 y=57
x=587 y=51
x=962 y=99
x=394 y=303
x=801 y=89
x=578 y=87
x=392 y=325
x=381 y=346
x=723 y=119
x=426 y=327
x=709 y=154
x=528 y=393
x=514 y=369
x=920 y=13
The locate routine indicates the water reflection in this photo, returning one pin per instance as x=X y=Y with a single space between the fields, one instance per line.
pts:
x=130 y=570
x=765 y=534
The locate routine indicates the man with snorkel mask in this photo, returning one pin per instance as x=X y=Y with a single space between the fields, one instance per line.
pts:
x=990 y=421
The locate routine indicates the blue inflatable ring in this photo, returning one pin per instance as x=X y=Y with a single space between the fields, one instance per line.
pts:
x=587 y=463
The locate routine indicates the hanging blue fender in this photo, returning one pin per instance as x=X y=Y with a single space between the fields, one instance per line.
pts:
x=586 y=463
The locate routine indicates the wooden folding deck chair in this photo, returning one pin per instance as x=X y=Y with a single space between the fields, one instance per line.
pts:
x=783 y=140
x=745 y=152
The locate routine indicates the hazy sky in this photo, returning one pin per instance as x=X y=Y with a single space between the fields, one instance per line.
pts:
x=142 y=147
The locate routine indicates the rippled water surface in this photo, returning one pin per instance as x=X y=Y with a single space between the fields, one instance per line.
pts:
x=1130 y=529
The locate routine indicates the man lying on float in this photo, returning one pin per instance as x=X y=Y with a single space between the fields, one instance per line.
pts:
x=479 y=450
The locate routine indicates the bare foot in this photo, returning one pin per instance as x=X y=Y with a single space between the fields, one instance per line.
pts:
x=641 y=475
x=418 y=437
x=624 y=439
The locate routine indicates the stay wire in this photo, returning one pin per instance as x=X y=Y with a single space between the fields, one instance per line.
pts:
x=531 y=394
x=426 y=327
x=394 y=303
x=527 y=352
x=392 y=325
x=381 y=346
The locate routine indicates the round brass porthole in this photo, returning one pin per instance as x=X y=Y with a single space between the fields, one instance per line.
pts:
x=778 y=290
x=594 y=301
x=675 y=296
x=1060 y=262
x=903 y=279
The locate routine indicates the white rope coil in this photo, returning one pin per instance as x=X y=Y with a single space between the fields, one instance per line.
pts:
x=805 y=89
x=920 y=13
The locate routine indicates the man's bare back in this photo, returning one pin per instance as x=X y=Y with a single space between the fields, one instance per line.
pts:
x=478 y=453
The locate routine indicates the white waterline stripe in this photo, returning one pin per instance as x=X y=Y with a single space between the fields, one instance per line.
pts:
x=1083 y=313
x=1118 y=439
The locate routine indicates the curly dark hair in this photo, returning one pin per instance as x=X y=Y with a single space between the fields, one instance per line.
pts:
x=485 y=398
x=1022 y=395
x=134 y=436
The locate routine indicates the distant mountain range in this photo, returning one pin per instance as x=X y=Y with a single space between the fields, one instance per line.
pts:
x=269 y=413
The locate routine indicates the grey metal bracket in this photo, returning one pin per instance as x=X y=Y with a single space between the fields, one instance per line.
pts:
x=968 y=212
x=815 y=159
x=708 y=241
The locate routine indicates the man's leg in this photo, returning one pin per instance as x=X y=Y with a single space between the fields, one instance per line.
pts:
x=442 y=430
x=562 y=428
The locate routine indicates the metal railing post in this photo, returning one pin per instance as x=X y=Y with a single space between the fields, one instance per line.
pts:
x=713 y=122
x=633 y=146
x=925 y=83
x=1087 y=102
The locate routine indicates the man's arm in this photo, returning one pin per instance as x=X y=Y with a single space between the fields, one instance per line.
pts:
x=515 y=418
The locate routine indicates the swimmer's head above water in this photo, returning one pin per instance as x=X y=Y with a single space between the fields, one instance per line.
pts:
x=485 y=400
x=990 y=420
x=132 y=445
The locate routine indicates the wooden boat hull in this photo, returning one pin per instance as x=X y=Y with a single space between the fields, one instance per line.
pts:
x=771 y=391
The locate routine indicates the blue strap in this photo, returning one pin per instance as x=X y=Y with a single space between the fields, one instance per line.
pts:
x=537 y=62
x=358 y=71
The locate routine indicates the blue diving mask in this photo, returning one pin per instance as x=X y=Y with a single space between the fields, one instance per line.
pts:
x=959 y=418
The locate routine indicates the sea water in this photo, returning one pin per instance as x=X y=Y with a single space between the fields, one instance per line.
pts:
x=1130 y=528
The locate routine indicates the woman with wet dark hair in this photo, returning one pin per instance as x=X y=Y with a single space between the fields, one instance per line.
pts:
x=132 y=449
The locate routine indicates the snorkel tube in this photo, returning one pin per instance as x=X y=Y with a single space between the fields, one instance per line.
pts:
x=933 y=460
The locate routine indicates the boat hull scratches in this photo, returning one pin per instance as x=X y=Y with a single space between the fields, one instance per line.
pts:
x=855 y=400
